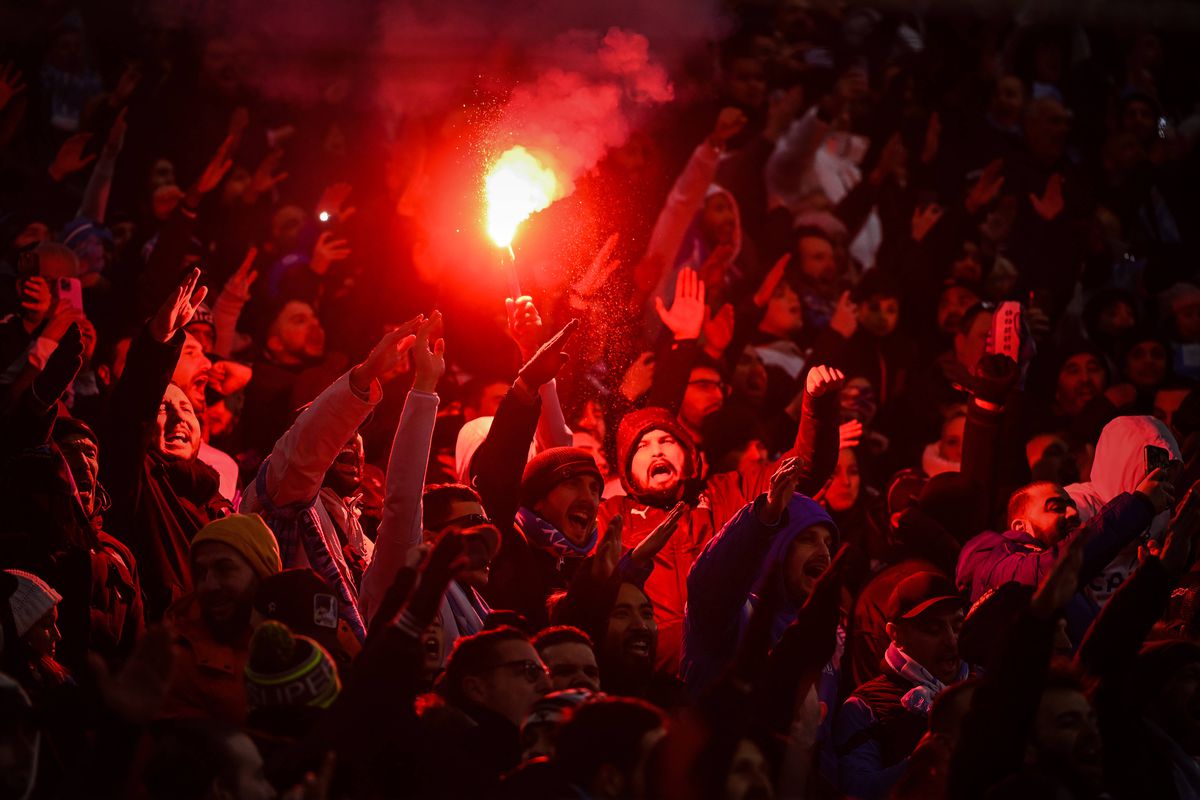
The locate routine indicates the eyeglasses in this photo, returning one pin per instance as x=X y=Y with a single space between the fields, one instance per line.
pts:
x=531 y=671
x=466 y=521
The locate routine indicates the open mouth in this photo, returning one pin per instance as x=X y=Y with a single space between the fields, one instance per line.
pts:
x=431 y=647
x=638 y=644
x=581 y=519
x=178 y=437
x=661 y=470
x=815 y=567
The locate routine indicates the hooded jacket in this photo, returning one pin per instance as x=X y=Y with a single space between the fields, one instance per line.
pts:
x=1119 y=466
x=667 y=585
x=694 y=251
x=736 y=567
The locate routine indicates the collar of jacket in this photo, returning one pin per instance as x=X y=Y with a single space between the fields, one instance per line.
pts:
x=1023 y=540
x=188 y=625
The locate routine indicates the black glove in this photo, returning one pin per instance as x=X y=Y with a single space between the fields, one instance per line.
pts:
x=548 y=360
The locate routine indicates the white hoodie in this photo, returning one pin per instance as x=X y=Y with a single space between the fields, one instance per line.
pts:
x=1119 y=466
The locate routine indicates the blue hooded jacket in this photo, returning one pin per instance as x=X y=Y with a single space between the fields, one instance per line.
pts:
x=727 y=579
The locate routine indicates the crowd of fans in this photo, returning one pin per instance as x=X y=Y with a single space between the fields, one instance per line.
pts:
x=840 y=446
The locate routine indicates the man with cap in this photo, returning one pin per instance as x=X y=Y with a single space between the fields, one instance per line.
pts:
x=553 y=532
x=883 y=720
x=212 y=625
x=547 y=515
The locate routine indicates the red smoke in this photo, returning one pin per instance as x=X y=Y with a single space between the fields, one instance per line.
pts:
x=582 y=101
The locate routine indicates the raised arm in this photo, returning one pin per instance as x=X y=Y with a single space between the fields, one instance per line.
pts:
x=303 y=455
x=726 y=570
x=139 y=393
x=817 y=436
x=499 y=462
x=685 y=199
x=95 y=195
x=526 y=329
x=401 y=528
x=163 y=268
x=230 y=302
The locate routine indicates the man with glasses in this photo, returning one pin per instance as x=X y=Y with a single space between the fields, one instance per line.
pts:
x=491 y=683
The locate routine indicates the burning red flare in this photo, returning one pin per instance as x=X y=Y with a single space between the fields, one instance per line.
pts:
x=517 y=185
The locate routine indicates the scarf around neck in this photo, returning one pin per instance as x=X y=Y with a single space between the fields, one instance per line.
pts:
x=920 y=698
x=546 y=536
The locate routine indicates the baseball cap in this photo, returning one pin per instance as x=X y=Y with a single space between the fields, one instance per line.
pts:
x=920 y=593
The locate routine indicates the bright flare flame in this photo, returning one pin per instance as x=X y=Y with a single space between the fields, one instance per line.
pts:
x=517 y=186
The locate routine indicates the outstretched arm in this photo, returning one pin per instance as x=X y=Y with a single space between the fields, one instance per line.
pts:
x=817 y=437
x=307 y=450
x=526 y=329
x=401 y=528
x=685 y=199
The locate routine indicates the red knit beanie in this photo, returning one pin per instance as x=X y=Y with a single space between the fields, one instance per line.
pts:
x=551 y=467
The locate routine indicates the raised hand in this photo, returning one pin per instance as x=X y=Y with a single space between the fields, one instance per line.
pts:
x=12 y=83
x=599 y=271
x=657 y=539
x=850 y=433
x=770 y=281
x=35 y=296
x=127 y=84
x=524 y=325
x=178 y=309
x=845 y=316
x=729 y=123
x=265 y=177
x=215 y=170
x=608 y=552
x=1179 y=548
x=70 y=157
x=984 y=191
x=638 y=378
x=718 y=330
x=239 y=282
x=328 y=251
x=64 y=317
x=1158 y=489
x=1051 y=203
x=429 y=354
x=686 y=315
x=548 y=360
x=387 y=356
x=823 y=380
x=333 y=201
x=780 y=490
x=923 y=220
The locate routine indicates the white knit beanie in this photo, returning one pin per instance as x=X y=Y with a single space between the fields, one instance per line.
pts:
x=31 y=601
